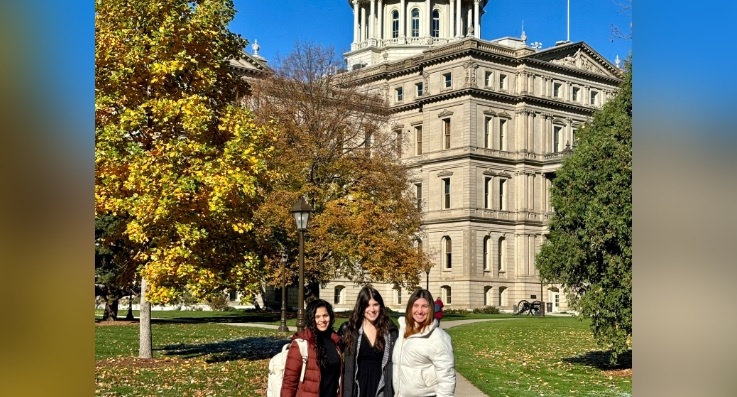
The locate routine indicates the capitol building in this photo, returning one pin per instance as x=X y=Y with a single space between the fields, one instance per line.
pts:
x=482 y=125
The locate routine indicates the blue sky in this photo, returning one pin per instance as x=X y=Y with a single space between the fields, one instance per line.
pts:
x=278 y=24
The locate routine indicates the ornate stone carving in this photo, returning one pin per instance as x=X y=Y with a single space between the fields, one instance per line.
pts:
x=579 y=61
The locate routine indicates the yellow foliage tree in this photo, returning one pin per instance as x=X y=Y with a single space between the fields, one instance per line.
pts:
x=175 y=152
x=338 y=152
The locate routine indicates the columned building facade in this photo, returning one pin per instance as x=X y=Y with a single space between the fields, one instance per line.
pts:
x=483 y=126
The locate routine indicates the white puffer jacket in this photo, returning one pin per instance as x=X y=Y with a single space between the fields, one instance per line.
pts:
x=423 y=363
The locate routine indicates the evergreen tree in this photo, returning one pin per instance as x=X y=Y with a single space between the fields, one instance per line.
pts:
x=589 y=250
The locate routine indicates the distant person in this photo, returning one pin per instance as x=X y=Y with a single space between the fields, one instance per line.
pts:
x=368 y=342
x=324 y=362
x=439 y=310
x=423 y=357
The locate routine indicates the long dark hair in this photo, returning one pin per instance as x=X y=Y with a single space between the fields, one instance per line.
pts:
x=354 y=323
x=311 y=324
x=411 y=326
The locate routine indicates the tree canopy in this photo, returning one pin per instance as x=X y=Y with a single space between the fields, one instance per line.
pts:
x=337 y=151
x=589 y=250
x=177 y=156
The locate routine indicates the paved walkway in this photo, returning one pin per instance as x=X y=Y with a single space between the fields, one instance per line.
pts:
x=463 y=387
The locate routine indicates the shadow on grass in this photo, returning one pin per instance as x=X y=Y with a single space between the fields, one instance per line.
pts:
x=255 y=348
x=600 y=359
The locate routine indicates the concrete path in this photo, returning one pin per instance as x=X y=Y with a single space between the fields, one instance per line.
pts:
x=464 y=387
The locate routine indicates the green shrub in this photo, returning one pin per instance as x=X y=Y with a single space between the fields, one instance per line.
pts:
x=218 y=302
x=487 y=310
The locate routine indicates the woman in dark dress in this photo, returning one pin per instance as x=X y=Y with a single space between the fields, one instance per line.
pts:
x=368 y=340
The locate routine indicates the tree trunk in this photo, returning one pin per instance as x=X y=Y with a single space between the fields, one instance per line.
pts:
x=111 y=309
x=145 y=342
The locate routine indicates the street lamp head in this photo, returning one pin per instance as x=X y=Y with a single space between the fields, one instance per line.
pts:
x=301 y=212
x=284 y=257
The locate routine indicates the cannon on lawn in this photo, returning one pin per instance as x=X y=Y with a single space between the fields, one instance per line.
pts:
x=531 y=308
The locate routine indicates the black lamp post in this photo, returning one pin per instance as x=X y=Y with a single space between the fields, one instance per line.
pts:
x=301 y=212
x=283 y=326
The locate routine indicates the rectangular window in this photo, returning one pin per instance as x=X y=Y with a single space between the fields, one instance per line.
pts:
x=395 y=27
x=399 y=94
x=487 y=132
x=447 y=79
x=368 y=142
x=399 y=143
x=594 y=96
x=418 y=89
x=557 y=90
x=575 y=94
x=446 y=133
x=502 y=134
x=487 y=192
x=418 y=140
x=502 y=195
x=418 y=195
x=500 y=254
x=446 y=193
x=557 y=131
x=503 y=82
x=489 y=79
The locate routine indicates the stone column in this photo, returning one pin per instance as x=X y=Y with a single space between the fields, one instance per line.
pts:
x=469 y=19
x=372 y=18
x=356 y=10
x=429 y=18
x=476 y=19
x=459 y=23
x=451 y=28
x=363 y=24
x=380 y=24
x=402 y=18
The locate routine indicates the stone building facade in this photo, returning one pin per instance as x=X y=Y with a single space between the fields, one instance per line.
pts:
x=483 y=126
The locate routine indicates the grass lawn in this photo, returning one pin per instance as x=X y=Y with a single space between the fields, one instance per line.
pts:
x=537 y=356
x=550 y=356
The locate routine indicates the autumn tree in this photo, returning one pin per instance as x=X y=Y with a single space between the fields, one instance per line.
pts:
x=337 y=151
x=589 y=250
x=177 y=158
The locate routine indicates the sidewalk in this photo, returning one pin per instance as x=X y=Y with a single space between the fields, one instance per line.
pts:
x=464 y=387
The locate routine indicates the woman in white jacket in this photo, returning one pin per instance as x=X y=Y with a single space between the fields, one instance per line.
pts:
x=423 y=355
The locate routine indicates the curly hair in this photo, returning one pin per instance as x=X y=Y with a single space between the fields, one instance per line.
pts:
x=311 y=324
x=354 y=323
x=412 y=326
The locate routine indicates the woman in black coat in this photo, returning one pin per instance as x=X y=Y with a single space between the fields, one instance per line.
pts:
x=368 y=339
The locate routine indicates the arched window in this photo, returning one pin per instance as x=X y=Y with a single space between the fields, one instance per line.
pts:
x=487 y=296
x=502 y=296
x=445 y=294
x=339 y=294
x=500 y=256
x=487 y=251
x=395 y=24
x=447 y=247
x=415 y=22
x=435 y=23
